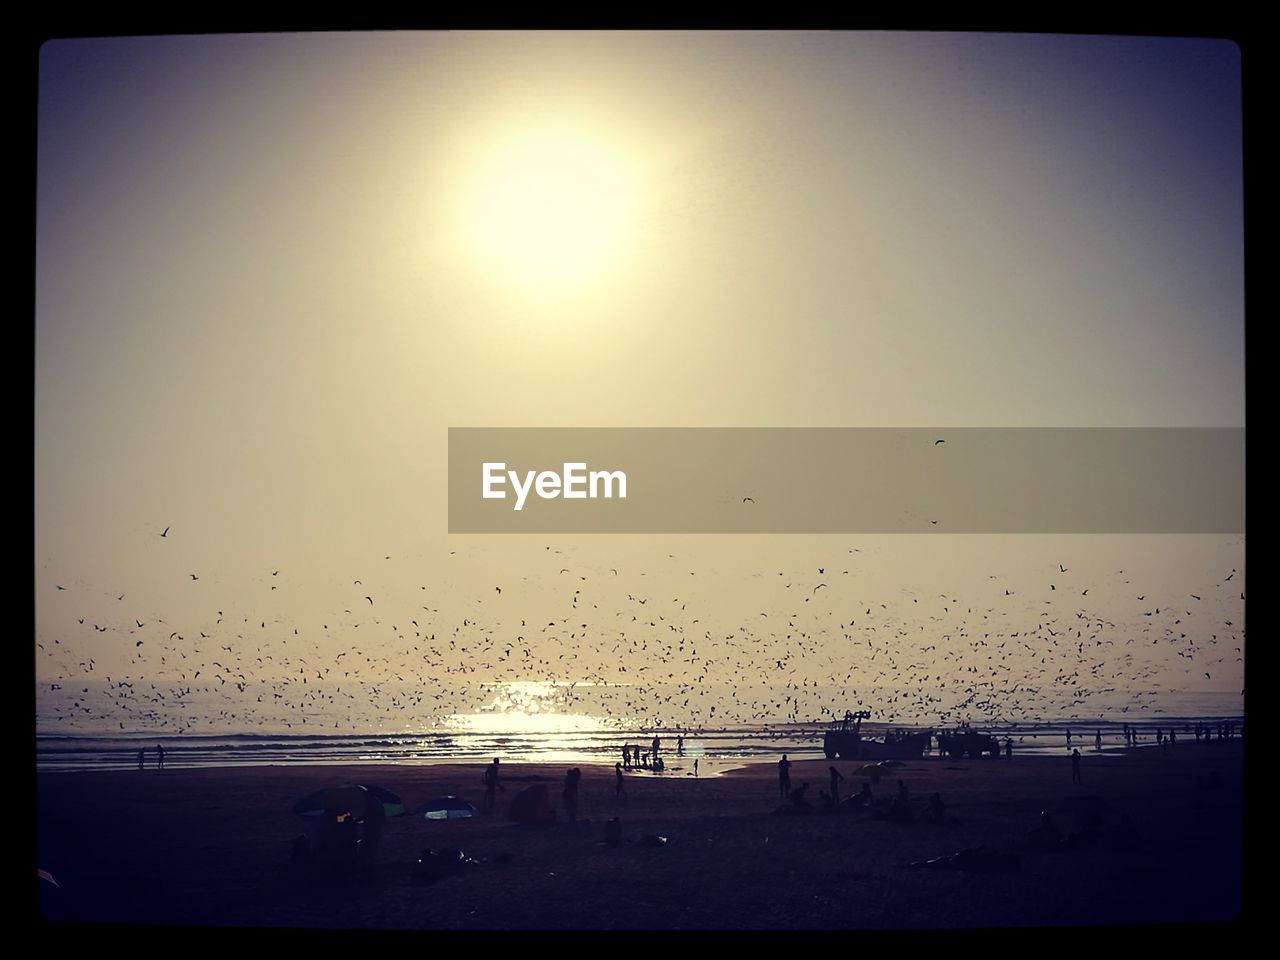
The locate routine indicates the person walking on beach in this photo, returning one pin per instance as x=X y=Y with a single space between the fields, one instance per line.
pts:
x=1097 y=740
x=620 y=793
x=492 y=783
x=695 y=766
x=1068 y=736
x=679 y=746
x=159 y=756
x=656 y=744
x=1075 y=767
x=784 y=777
x=836 y=779
x=1008 y=749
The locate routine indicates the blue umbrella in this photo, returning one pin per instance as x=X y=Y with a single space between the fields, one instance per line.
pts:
x=445 y=808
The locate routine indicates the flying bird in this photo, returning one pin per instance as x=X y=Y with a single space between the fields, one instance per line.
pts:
x=166 y=532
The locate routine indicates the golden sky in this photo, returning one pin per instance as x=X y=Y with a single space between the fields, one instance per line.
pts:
x=272 y=271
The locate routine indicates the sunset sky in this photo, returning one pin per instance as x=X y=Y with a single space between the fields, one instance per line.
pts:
x=272 y=271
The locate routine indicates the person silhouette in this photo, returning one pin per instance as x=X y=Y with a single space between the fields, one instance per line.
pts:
x=784 y=777
x=492 y=784
x=1075 y=767
x=159 y=756
x=620 y=792
x=695 y=766
x=1008 y=749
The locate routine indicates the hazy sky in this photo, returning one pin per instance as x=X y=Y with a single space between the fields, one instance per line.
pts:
x=273 y=270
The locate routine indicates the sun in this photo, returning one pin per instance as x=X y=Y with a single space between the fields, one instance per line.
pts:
x=549 y=212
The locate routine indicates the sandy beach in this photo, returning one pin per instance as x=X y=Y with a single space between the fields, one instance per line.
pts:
x=210 y=847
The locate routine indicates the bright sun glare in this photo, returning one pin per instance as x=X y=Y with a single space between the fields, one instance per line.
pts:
x=549 y=211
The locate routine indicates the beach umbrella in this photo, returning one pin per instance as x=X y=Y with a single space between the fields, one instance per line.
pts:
x=446 y=808
x=336 y=801
x=392 y=805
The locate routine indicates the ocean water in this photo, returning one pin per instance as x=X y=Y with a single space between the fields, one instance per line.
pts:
x=83 y=728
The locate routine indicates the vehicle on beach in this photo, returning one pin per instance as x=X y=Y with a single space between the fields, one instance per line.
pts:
x=844 y=739
x=967 y=743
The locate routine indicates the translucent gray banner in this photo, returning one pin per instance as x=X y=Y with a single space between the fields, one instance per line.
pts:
x=846 y=480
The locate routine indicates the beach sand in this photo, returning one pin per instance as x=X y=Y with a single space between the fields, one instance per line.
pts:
x=210 y=846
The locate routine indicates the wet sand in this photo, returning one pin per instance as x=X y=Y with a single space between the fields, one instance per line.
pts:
x=210 y=847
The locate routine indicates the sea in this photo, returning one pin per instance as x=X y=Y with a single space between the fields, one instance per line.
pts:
x=82 y=728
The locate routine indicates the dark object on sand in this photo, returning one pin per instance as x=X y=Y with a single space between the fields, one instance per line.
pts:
x=445 y=808
x=300 y=853
x=974 y=860
x=349 y=800
x=532 y=805
x=936 y=810
x=1082 y=820
x=861 y=800
x=798 y=804
x=347 y=823
x=613 y=832
x=431 y=865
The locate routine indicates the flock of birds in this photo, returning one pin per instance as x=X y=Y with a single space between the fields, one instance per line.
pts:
x=810 y=648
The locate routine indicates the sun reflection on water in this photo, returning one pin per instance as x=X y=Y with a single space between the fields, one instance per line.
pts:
x=529 y=706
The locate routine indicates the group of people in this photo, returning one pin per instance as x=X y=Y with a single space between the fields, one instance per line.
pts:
x=634 y=759
x=899 y=809
x=1225 y=730
x=142 y=757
